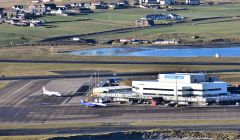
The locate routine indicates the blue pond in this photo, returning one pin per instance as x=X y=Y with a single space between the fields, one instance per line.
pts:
x=157 y=52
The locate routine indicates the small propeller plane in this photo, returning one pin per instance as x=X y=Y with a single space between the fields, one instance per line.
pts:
x=50 y=93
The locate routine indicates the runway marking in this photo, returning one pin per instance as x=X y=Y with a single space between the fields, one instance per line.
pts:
x=11 y=96
x=18 y=112
x=23 y=87
x=67 y=100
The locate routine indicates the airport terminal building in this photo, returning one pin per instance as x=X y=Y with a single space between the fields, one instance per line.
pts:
x=186 y=87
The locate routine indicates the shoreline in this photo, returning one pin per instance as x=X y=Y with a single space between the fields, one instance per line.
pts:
x=186 y=46
x=228 y=50
x=183 y=46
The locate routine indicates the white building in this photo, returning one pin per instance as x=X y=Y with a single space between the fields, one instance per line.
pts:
x=112 y=89
x=161 y=2
x=166 y=42
x=167 y=2
x=193 y=2
x=190 y=87
x=61 y=10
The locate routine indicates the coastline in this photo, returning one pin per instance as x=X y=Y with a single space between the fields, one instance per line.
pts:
x=183 y=46
x=180 y=46
x=161 y=51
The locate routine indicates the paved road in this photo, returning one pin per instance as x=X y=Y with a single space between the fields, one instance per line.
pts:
x=105 y=74
x=84 y=75
x=56 y=113
x=121 y=62
x=109 y=74
x=106 y=128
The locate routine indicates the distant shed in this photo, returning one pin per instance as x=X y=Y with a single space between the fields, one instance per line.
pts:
x=144 y=22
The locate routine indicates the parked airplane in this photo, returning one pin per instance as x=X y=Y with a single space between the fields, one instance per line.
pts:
x=92 y=104
x=50 y=93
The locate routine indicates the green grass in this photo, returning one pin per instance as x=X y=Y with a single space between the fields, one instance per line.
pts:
x=211 y=11
x=62 y=26
x=18 y=35
x=25 y=69
x=207 y=29
x=103 y=20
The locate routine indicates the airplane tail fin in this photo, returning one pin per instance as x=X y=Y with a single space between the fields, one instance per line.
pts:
x=82 y=102
x=43 y=90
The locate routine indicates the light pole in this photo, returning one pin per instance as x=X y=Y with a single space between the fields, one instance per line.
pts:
x=176 y=93
x=91 y=81
x=95 y=78
x=114 y=74
x=98 y=81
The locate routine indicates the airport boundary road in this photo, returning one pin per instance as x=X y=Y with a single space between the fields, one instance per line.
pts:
x=87 y=75
x=119 y=62
x=78 y=76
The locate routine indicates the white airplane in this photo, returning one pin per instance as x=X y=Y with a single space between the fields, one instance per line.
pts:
x=141 y=6
x=92 y=104
x=50 y=93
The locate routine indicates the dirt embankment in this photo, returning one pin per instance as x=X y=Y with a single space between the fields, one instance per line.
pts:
x=157 y=134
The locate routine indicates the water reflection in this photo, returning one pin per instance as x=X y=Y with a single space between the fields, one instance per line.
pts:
x=156 y=52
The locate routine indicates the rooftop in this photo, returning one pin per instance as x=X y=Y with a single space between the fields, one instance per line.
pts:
x=189 y=73
x=115 y=87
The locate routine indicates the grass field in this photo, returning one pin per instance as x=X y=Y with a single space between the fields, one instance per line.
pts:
x=207 y=29
x=63 y=26
x=21 y=69
x=206 y=32
x=103 y=20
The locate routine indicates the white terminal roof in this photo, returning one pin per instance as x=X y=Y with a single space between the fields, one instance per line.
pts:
x=114 y=87
x=188 y=73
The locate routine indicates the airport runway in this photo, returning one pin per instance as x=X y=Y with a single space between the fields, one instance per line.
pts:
x=79 y=74
x=22 y=102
